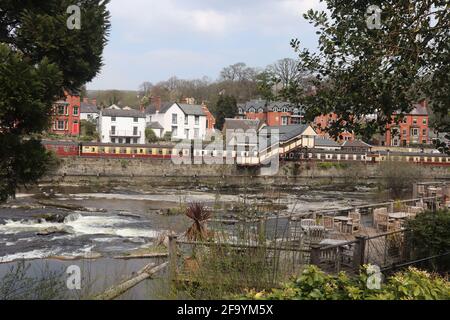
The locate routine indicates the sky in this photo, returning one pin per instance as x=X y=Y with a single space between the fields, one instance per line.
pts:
x=152 y=40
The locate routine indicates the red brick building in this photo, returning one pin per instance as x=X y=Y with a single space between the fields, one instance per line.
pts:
x=277 y=113
x=323 y=121
x=66 y=116
x=413 y=129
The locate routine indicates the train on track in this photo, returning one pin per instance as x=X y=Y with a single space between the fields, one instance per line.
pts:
x=168 y=150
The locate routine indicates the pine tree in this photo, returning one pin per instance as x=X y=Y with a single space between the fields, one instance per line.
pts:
x=40 y=59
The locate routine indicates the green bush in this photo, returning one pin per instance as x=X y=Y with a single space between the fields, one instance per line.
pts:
x=431 y=237
x=150 y=135
x=314 y=284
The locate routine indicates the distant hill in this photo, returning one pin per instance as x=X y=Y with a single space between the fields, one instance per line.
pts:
x=122 y=98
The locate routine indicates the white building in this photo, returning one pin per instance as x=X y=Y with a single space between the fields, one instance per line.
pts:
x=89 y=112
x=122 y=126
x=184 y=121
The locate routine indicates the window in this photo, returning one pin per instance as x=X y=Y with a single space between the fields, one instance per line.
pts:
x=113 y=130
x=174 y=131
x=415 y=132
x=424 y=121
x=120 y=140
x=61 y=110
x=196 y=133
x=113 y=140
x=197 y=120
x=113 y=119
x=415 y=121
x=127 y=140
x=174 y=119
x=186 y=120
x=186 y=133
x=75 y=111
x=135 y=140
x=135 y=131
x=284 y=121
x=404 y=132
x=61 y=125
x=135 y=119
x=424 y=132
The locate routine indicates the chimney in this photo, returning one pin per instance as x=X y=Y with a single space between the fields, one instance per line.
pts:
x=94 y=102
x=156 y=101
x=86 y=100
x=424 y=103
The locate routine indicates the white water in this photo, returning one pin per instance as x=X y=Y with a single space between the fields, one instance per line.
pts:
x=81 y=225
x=192 y=196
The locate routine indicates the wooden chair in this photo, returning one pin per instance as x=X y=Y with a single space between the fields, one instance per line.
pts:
x=355 y=223
x=384 y=221
x=305 y=224
x=328 y=223
x=376 y=213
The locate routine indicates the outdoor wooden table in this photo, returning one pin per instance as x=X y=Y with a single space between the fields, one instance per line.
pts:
x=332 y=242
x=343 y=220
x=398 y=215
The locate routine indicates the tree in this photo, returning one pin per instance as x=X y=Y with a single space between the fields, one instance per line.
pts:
x=226 y=108
x=285 y=71
x=40 y=58
x=360 y=70
x=431 y=237
x=88 y=128
x=237 y=72
x=266 y=83
x=150 y=135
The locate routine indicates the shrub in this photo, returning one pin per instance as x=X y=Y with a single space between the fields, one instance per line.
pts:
x=431 y=236
x=314 y=284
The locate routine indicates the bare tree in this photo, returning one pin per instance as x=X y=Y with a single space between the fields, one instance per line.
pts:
x=238 y=72
x=285 y=71
x=145 y=87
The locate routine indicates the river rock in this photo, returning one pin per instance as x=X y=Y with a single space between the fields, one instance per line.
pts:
x=50 y=231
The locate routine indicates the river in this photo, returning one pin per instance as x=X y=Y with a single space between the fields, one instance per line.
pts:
x=119 y=221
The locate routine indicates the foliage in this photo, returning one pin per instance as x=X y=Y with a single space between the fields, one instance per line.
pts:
x=40 y=58
x=17 y=285
x=430 y=237
x=88 y=128
x=226 y=108
x=150 y=135
x=314 y=284
x=361 y=71
x=199 y=214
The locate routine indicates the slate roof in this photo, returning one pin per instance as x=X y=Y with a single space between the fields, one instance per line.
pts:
x=324 y=142
x=289 y=132
x=155 y=125
x=265 y=106
x=419 y=110
x=192 y=109
x=88 y=108
x=123 y=113
x=244 y=124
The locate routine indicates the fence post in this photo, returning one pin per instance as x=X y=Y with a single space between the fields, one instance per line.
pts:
x=173 y=257
x=315 y=254
x=262 y=230
x=360 y=252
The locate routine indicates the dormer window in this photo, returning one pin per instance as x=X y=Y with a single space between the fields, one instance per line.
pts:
x=252 y=110
x=260 y=110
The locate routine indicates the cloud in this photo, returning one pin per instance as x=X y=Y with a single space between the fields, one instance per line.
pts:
x=154 y=39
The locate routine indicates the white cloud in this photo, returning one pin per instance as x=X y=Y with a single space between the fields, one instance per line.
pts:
x=155 y=39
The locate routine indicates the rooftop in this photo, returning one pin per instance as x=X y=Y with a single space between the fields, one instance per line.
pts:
x=324 y=142
x=88 y=108
x=123 y=113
